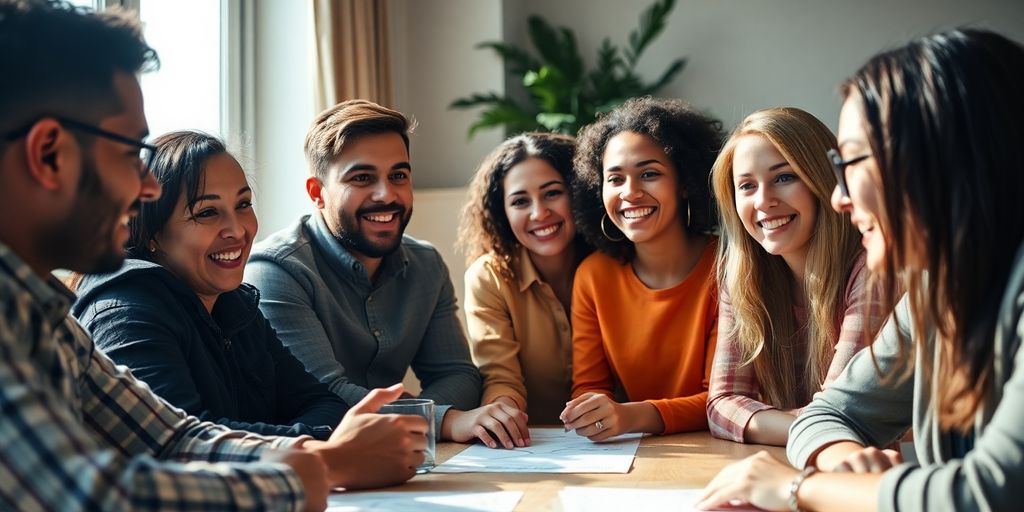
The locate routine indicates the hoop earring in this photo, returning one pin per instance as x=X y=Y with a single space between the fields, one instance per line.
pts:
x=604 y=231
x=688 y=217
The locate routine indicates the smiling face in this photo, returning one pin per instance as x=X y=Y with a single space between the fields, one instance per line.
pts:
x=774 y=204
x=366 y=198
x=207 y=245
x=640 y=188
x=92 y=237
x=865 y=203
x=537 y=207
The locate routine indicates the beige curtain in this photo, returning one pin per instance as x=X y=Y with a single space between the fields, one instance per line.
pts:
x=350 y=47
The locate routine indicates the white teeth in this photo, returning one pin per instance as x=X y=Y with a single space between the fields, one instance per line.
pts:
x=636 y=213
x=548 y=230
x=227 y=256
x=384 y=217
x=776 y=223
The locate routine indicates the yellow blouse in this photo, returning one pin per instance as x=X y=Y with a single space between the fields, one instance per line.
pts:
x=521 y=338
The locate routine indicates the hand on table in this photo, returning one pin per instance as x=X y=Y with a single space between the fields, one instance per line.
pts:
x=761 y=480
x=311 y=470
x=373 y=450
x=497 y=419
x=597 y=417
x=869 y=460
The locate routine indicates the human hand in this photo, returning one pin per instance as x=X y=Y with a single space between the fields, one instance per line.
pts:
x=596 y=417
x=311 y=470
x=869 y=460
x=374 y=450
x=496 y=419
x=761 y=480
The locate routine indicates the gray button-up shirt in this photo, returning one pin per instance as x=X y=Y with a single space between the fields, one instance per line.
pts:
x=354 y=334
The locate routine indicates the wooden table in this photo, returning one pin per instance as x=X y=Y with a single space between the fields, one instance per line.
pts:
x=679 y=461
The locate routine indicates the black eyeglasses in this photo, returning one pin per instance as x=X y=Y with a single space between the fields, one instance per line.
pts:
x=839 y=166
x=147 y=152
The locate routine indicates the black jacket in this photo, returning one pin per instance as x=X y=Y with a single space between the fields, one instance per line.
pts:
x=228 y=367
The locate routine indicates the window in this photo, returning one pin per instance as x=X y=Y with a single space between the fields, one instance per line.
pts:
x=188 y=90
x=185 y=93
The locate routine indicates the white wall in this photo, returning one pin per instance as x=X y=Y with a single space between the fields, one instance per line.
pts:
x=745 y=55
x=283 y=111
x=434 y=62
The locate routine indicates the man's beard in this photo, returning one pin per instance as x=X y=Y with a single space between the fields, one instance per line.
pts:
x=353 y=238
x=85 y=240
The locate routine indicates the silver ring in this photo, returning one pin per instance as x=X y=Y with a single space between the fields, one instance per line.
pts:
x=599 y=425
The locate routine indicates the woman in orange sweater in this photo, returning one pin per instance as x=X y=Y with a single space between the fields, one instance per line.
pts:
x=645 y=306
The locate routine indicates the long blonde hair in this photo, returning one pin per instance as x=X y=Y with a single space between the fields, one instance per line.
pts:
x=760 y=285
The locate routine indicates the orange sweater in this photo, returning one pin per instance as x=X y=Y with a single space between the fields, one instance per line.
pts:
x=657 y=344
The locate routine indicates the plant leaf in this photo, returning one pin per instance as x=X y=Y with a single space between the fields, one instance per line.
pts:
x=652 y=22
x=511 y=116
x=557 y=122
x=477 y=100
x=517 y=60
x=666 y=76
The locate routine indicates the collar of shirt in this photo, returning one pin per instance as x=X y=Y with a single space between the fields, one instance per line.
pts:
x=394 y=264
x=53 y=297
x=526 y=273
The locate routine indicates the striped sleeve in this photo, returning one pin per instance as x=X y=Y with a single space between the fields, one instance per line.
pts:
x=117 y=447
x=734 y=392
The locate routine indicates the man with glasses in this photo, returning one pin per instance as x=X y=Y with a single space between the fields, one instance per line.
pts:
x=77 y=432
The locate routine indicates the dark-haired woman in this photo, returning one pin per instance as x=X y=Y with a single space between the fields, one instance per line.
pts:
x=178 y=314
x=522 y=248
x=645 y=306
x=930 y=170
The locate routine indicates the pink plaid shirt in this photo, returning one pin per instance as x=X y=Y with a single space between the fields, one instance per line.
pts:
x=734 y=394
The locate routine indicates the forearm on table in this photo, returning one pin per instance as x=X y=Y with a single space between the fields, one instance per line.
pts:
x=770 y=426
x=831 y=455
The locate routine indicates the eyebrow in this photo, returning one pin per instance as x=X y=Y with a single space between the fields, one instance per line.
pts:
x=773 y=168
x=542 y=187
x=356 y=167
x=636 y=165
x=207 y=197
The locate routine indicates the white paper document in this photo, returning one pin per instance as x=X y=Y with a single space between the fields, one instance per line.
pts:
x=598 y=499
x=500 y=501
x=551 y=451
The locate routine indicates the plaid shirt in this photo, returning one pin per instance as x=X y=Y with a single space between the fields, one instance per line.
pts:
x=734 y=394
x=79 y=433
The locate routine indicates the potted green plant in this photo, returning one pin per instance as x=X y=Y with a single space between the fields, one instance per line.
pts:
x=562 y=95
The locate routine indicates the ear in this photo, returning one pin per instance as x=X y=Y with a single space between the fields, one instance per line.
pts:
x=49 y=150
x=315 y=190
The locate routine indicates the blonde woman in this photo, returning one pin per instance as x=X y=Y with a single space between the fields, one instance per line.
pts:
x=791 y=271
x=924 y=181
x=519 y=236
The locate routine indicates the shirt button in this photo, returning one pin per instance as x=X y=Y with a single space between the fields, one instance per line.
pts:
x=376 y=333
x=370 y=299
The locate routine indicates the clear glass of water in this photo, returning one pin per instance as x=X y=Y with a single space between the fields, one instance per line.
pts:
x=421 y=407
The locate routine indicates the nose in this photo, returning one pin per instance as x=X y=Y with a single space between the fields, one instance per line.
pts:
x=764 y=198
x=631 y=190
x=232 y=226
x=149 y=189
x=539 y=211
x=840 y=203
x=383 y=192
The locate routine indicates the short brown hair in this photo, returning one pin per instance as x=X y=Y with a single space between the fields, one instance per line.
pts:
x=346 y=120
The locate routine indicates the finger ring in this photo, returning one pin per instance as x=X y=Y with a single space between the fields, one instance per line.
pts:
x=599 y=425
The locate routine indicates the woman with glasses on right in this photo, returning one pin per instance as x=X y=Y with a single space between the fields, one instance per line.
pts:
x=931 y=173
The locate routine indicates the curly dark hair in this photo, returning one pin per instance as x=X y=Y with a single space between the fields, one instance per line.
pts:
x=483 y=225
x=691 y=140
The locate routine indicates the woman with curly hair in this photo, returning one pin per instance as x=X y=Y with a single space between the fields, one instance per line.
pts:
x=522 y=250
x=794 y=303
x=645 y=307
